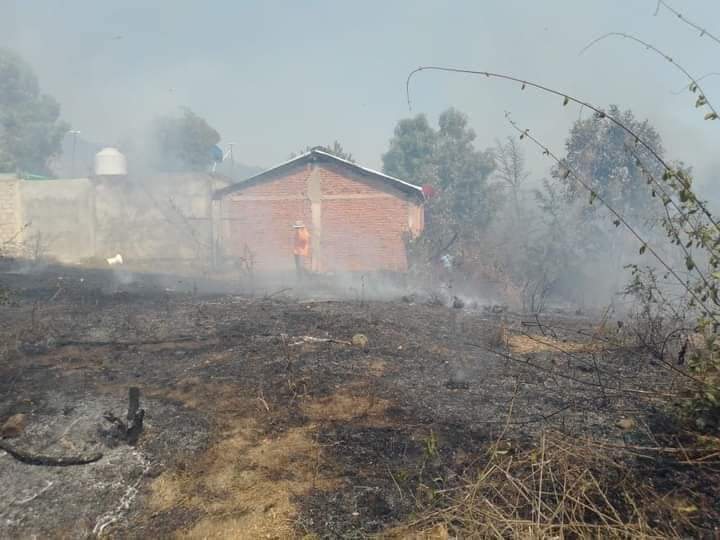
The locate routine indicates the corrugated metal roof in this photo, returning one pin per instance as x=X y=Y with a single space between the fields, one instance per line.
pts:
x=396 y=182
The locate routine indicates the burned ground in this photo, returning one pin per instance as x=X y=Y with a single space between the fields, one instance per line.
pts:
x=264 y=420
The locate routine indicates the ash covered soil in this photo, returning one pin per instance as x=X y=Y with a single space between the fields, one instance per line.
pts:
x=265 y=420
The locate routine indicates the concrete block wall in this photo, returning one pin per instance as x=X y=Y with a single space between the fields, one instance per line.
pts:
x=158 y=220
x=59 y=218
x=357 y=222
x=10 y=214
x=149 y=220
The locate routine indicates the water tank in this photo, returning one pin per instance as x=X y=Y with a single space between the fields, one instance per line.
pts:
x=110 y=162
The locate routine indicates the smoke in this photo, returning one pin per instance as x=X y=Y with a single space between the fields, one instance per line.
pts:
x=235 y=70
x=114 y=73
x=122 y=276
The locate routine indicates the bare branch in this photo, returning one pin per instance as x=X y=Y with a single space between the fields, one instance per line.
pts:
x=510 y=163
x=703 y=31
x=702 y=98
x=686 y=87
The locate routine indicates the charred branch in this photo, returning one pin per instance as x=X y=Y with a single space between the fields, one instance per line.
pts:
x=32 y=458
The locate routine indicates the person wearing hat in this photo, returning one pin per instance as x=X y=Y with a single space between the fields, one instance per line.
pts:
x=301 y=248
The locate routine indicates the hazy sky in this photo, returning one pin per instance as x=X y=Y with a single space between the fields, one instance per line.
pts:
x=275 y=76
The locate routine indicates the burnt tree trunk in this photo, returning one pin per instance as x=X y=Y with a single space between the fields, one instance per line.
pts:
x=130 y=431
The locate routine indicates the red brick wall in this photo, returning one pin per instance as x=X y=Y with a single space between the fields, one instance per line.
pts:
x=361 y=226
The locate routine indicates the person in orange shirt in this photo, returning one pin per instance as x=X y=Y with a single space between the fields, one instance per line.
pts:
x=301 y=248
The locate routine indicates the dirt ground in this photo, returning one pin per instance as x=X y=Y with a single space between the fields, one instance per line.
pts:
x=266 y=419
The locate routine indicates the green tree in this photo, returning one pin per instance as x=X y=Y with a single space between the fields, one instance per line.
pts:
x=612 y=162
x=411 y=154
x=336 y=149
x=462 y=174
x=185 y=143
x=30 y=130
x=447 y=160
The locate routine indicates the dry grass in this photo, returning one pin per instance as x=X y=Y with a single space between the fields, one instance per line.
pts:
x=352 y=403
x=243 y=485
x=525 y=344
x=377 y=368
x=192 y=392
x=558 y=489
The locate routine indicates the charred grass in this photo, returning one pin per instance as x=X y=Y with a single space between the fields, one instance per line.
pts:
x=265 y=422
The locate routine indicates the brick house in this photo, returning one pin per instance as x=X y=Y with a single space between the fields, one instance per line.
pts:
x=357 y=217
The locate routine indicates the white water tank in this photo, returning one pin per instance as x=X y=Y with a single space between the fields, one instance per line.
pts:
x=110 y=162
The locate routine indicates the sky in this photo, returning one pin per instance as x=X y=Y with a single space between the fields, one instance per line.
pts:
x=275 y=76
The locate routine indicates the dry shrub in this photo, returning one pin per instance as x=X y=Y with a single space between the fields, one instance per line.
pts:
x=557 y=489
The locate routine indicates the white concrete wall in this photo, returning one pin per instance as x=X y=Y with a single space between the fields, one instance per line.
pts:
x=58 y=218
x=10 y=217
x=157 y=219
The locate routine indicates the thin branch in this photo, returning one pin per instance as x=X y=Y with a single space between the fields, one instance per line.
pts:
x=36 y=495
x=524 y=83
x=528 y=363
x=703 y=31
x=597 y=110
x=561 y=350
x=16 y=235
x=444 y=248
x=660 y=358
x=686 y=87
x=186 y=222
x=667 y=57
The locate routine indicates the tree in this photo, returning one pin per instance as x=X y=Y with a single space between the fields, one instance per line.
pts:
x=536 y=250
x=615 y=167
x=446 y=159
x=463 y=172
x=462 y=204
x=30 y=130
x=335 y=149
x=612 y=162
x=510 y=169
x=185 y=143
x=412 y=151
x=514 y=251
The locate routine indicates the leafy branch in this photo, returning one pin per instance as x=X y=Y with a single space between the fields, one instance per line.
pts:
x=674 y=225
